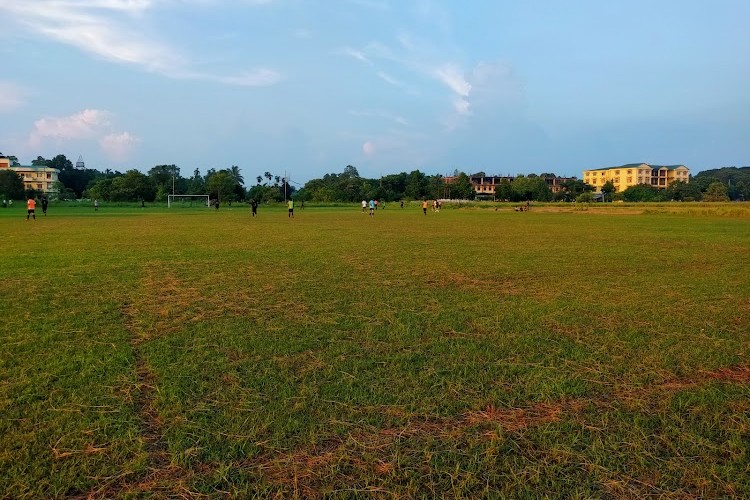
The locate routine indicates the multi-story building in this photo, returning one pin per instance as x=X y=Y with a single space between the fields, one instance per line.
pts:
x=41 y=179
x=484 y=185
x=556 y=183
x=634 y=174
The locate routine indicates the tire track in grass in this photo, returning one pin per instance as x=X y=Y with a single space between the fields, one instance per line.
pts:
x=161 y=477
x=307 y=470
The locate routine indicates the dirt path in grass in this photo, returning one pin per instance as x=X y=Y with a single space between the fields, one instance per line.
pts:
x=161 y=477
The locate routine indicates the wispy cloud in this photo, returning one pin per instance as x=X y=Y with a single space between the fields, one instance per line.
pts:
x=12 y=96
x=454 y=78
x=356 y=54
x=372 y=4
x=380 y=114
x=112 y=30
x=388 y=79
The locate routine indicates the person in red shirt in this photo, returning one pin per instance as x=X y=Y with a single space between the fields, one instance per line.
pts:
x=30 y=208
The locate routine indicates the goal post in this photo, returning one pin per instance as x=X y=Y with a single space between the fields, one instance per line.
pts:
x=204 y=198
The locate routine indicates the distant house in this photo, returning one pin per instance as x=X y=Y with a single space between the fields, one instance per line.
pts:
x=633 y=174
x=41 y=179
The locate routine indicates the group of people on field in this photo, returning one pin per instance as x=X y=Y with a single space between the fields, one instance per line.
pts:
x=31 y=207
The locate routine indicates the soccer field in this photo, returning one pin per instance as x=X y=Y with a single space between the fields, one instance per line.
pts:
x=467 y=353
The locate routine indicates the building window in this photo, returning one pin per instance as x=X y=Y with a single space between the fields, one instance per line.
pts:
x=617 y=172
x=630 y=171
x=39 y=185
x=630 y=180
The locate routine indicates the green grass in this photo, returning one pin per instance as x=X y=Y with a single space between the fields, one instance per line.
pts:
x=595 y=352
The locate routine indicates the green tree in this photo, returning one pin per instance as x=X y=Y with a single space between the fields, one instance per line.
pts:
x=436 y=187
x=11 y=185
x=220 y=184
x=716 y=191
x=164 y=177
x=237 y=175
x=101 y=189
x=642 y=193
x=61 y=163
x=585 y=197
x=461 y=188
x=62 y=192
x=531 y=187
x=504 y=190
x=39 y=162
x=197 y=184
x=416 y=185
x=682 y=191
x=607 y=189
x=132 y=186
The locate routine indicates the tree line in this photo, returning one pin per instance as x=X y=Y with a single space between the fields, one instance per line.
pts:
x=228 y=184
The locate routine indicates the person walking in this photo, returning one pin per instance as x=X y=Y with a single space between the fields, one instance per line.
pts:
x=254 y=207
x=364 y=205
x=30 y=208
x=44 y=205
x=372 y=208
x=291 y=208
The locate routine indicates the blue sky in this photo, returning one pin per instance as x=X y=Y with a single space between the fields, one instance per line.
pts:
x=310 y=86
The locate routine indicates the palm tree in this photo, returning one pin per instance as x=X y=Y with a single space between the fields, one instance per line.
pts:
x=259 y=179
x=268 y=176
x=236 y=175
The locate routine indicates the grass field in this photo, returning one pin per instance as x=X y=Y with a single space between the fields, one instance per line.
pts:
x=598 y=352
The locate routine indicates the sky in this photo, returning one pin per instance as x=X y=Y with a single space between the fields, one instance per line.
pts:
x=307 y=87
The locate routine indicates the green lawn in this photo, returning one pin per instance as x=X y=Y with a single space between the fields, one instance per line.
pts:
x=597 y=352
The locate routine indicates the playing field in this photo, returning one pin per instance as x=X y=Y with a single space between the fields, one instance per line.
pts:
x=468 y=353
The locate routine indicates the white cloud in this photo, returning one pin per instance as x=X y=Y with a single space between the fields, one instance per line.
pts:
x=368 y=148
x=84 y=125
x=461 y=106
x=113 y=30
x=356 y=54
x=259 y=78
x=380 y=114
x=451 y=76
x=373 y=4
x=118 y=146
x=387 y=78
x=12 y=97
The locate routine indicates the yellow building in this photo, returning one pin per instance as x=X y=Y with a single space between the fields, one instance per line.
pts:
x=634 y=174
x=40 y=179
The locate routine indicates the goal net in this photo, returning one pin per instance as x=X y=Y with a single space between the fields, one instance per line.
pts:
x=188 y=200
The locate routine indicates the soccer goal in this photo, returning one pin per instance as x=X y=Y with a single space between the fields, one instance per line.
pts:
x=188 y=199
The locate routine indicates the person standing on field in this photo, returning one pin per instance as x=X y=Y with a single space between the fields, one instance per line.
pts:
x=96 y=205
x=44 y=205
x=30 y=208
x=424 y=206
x=254 y=207
x=364 y=206
x=372 y=208
x=291 y=208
